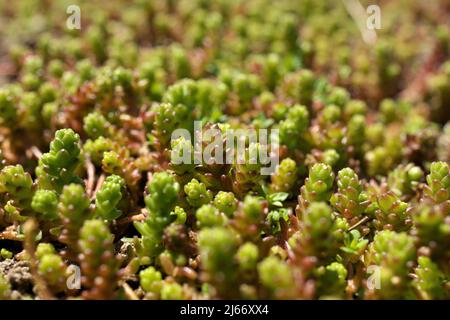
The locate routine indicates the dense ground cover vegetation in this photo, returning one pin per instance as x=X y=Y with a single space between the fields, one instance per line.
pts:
x=358 y=208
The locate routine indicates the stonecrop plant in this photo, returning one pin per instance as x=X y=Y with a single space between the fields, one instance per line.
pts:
x=93 y=204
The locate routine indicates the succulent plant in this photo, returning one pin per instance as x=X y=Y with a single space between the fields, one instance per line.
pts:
x=317 y=186
x=136 y=150
x=285 y=177
x=350 y=200
x=197 y=194
x=17 y=185
x=161 y=199
x=45 y=202
x=98 y=263
x=57 y=167
x=393 y=253
x=438 y=182
x=108 y=197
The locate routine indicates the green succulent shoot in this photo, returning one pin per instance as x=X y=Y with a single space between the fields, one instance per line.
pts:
x=108 y=197
x=57 y=167
x=438 y=182
x=318 y=185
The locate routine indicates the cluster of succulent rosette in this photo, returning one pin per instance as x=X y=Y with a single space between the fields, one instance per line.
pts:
x=358 y=207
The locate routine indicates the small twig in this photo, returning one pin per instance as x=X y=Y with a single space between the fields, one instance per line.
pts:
x=129 y=271
x=91 y=177
x=413 y=276
x=22 y=255
x=100 y=181
x=36 y=152
x=290 y=252
x=186 y=272
x=30 y=229
x=360 y=222
x=136 y=217
x=129 y=292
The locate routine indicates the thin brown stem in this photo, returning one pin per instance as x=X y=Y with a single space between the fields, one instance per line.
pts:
x=360 y=222
x=30 y=228
x=36 y=152
x=129 y=292
x=90 y=168
x=136 y=217
x=100 y=181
